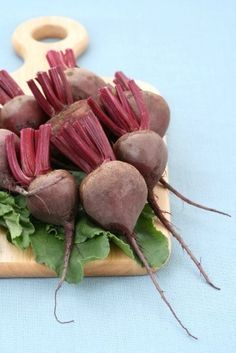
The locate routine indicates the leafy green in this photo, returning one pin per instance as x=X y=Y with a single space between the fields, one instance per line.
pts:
x=15 y=217
x=79 y=175
x=86 y=229
x=94 y=249
x=49 y=250
x=152 y=241
x=122 y=244
x=57 y=231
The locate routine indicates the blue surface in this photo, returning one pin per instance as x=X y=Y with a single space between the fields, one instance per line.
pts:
x=187 y=50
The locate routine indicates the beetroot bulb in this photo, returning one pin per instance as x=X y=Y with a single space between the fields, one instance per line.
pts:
x=19 y=110
x=141 y=147
x=84 y=83
x=159 y=116
x=51 y=194
x=114 y=192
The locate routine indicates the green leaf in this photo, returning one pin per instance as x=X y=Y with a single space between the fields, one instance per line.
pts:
x=49 y=250
x=6 y=198
x=86 y=229
x=4 y=209
x=15 y=217
x=153 y=242
x=122 y=244
x=79 y=175
x=94 y=249
x=57 y=231
x=12 y=220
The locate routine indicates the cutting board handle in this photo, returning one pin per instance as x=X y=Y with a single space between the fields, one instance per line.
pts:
x=27 y=44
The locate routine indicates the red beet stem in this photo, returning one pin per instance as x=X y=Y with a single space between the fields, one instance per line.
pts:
x=42 y=162
x=4 y=98
x=125 y=103
x=130 y=85
x=57 y=92
x=105 y=120
x=42 y=101
x=55 y=58
x=68 y=150
x=85 y=143
x=15 y=168
x=116 y=110
x=138 y=96
x=36 y=137
x=121 y=79
x=8 y=88
x=69 y=58
x=34 y=153
x=58 y=58
x=48 y=86
x=65 y=86
x=27 y=151
x=120 y=117
x=132 y=239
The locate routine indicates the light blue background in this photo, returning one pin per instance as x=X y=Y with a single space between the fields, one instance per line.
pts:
x=187 y=50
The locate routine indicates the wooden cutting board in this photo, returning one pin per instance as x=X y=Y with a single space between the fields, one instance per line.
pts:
x=27 y=42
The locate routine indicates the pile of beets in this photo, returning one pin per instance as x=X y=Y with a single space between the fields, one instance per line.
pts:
x=114 y=133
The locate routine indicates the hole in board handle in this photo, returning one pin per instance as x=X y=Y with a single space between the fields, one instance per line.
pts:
x=49 y=33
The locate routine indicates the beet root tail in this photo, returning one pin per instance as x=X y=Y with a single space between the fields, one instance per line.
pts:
x=188 y=201
x=133 y=242
x=69 y=230
x=158 y=212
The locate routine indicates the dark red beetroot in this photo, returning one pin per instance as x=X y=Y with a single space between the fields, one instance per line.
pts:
x=19 y=110
x=84 y=83
x=157 y=107
x=52 y=195
x=144 y=149
x=114 y=193
x=159 y=116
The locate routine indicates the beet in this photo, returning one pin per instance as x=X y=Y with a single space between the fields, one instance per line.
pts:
x=144 y=149
x=84 y=83
x=62 y=187
x=114 y=193
x=159 y=116
x=121 y=187
x=148 y=154
x=19 y=110
x=51 y=195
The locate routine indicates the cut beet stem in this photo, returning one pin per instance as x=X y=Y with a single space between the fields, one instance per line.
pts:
x=176 y=235
x=133 y=242
x=190 y=202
